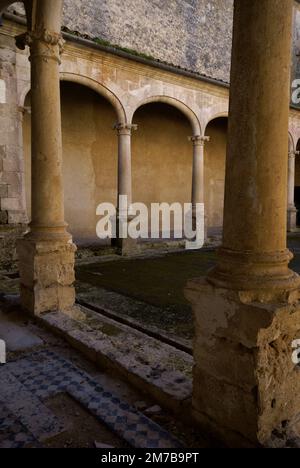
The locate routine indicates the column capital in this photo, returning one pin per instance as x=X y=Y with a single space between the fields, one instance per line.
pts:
x=199 y=140
x=42 y=42
x=293 y=154
x=125 y=129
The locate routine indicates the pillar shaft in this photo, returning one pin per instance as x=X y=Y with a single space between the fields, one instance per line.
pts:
x=47 y=182
x=198 y=169
x=247 y=312
x=124 y=162
x=46 y=254
x=254 y=237
x=124 y=246
x=198 y=177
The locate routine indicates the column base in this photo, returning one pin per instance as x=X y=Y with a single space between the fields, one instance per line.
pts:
x=245 y=383
x=292 y=219
x=262 y=276
x=125 y=247
x=47 y=274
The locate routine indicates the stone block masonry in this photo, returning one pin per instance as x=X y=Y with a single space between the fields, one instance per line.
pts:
x=192 y=34
x=12 y=200
x=11 y=164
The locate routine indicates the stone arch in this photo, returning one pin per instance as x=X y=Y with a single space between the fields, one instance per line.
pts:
x=89 y=156
x=23 y=94
x=162 y=155
x=98 y=88
x=292 y=145
x=191 y=116
x=215 y=116
x=89 y=83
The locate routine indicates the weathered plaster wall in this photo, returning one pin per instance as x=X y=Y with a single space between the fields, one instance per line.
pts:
x=89 y=157
x=214 y=171
x=127 y=85
x=161 y=156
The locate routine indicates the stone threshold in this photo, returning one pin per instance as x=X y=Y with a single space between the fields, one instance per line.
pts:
x=150 y=365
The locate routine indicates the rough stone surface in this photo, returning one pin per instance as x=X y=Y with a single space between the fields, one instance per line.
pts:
x=192 y=34
x=16 y=336
x=245 y=382
x=157 y=368
x=47 y=275
x=177 y=32
x=12 y=209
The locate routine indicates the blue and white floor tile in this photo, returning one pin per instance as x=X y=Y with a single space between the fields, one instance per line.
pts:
x=44 y=374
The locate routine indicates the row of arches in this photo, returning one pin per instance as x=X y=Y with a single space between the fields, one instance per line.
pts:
x=161 y=156
x=198 y=125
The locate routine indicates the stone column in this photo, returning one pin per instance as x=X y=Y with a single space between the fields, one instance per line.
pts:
x=198 y=173
x=247 y=310
x=291 y=209
x=124 y=246
x=46 y=254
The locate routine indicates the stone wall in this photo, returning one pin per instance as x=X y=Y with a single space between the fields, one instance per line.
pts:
x=296 y=46
x=12 y=204
x=191 y=34
x=127 y=85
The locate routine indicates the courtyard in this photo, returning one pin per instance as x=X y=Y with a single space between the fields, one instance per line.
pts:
x=140 y=298
x=159 y=104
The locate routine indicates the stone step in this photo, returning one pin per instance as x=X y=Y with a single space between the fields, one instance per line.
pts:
x=152 y=366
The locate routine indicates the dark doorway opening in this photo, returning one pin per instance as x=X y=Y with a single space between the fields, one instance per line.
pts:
x=297 y=204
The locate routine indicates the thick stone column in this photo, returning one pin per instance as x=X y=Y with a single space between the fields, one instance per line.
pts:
x=125 y=246
x=198 y=173
x=46 y=254
x=291 y=209
x=247 y=311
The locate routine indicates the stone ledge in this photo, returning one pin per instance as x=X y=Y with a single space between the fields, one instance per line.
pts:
x=150 y=365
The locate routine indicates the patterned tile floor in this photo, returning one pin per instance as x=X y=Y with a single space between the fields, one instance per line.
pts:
x=44 y=374
x=12 y=432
